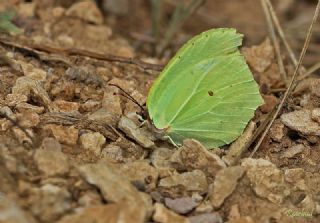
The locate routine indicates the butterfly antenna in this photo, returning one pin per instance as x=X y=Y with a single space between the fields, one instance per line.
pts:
x=128 y=96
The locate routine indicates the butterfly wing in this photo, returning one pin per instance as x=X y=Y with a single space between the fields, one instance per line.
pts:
x=206 y=92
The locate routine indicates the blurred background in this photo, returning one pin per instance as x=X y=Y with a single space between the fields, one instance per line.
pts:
x=152 y=26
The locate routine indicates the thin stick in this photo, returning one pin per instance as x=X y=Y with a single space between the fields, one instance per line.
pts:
x=272 y=32
x=293 y=79
x=81 y=52
x=281 y=33
x=180 y=15
x=309 y=71
x=156 y=18
x=128 y=96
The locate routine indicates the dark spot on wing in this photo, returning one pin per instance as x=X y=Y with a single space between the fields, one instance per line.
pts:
x=210 y=93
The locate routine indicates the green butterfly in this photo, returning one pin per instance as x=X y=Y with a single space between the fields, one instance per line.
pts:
x=206 y=92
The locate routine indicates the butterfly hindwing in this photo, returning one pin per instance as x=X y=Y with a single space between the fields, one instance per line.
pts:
x=206 y=92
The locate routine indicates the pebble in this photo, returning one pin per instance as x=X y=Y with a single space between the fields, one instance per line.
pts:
x=10 y=212
x=206 y=218
x=93 y=141
x=182 y=205
x=224 y=184
x=192 y=181
x=51 y=162
x=135 y=133
x=140 y=171
x=164 y=215
x=66 y=106
x=49 y=202
x=194 y=156
x=115 y=187
x=87 y=11
x=301 y=121
x=64 y=134
x=293 y=151
x=266 y=179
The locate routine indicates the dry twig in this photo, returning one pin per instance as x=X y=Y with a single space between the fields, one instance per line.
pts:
x=267 y=13
x=35 y=48
x=180 y=15
x=293 y=79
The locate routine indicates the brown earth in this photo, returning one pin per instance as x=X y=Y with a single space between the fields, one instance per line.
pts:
x=71 y=149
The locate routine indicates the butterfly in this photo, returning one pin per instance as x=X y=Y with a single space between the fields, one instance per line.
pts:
x=206 y=92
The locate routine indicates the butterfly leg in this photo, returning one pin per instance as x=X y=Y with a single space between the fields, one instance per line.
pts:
x=168 y=138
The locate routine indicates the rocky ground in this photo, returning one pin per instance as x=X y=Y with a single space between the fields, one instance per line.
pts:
x=72 y=151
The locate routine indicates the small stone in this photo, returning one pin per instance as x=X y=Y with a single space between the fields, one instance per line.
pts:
x=93 y=141
x=65 y=41
x=90 y=199
x=206 y=218
x=181 y=205
x=51 y=162
x=204 y=207
x=163 y=215
x=192 y=181
x=110 y=213
x=134 y=132
x=24 y=107
x=115 y=188
x=51 y=144
x=245 y=219
x=270 y=101
x=26 y=9
x=110 y=111
x=315 y=87
x=22 y=137
x=296 y=177
x=140 y=171
x=160 y=160
x=277 y=131
x=28 y=119
x=66 y=106
x=113 y=153
x=302 y=122
x=224 y=184
x=315 y=115
x=292 y=151
x=58 y=11
x=307 y=203
x=194 y=156
x=10 y=161
x=87 y=11
x=14 y=99
x=5 y=124
x=90 y=106
x=259 y=57
x=33 y=72
x=117 y=7
x=10 y=212
x=67 y=135
x=234 y=212
x=93 y=31
x=266 y=179
x=50 y=202
x=32 y=89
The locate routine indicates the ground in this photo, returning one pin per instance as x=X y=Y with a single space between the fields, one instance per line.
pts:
x=71 y=146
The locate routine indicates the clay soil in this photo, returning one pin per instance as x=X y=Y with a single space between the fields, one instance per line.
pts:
x=72 y=148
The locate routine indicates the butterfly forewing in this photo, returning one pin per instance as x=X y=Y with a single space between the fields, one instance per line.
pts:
x=206 y=92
